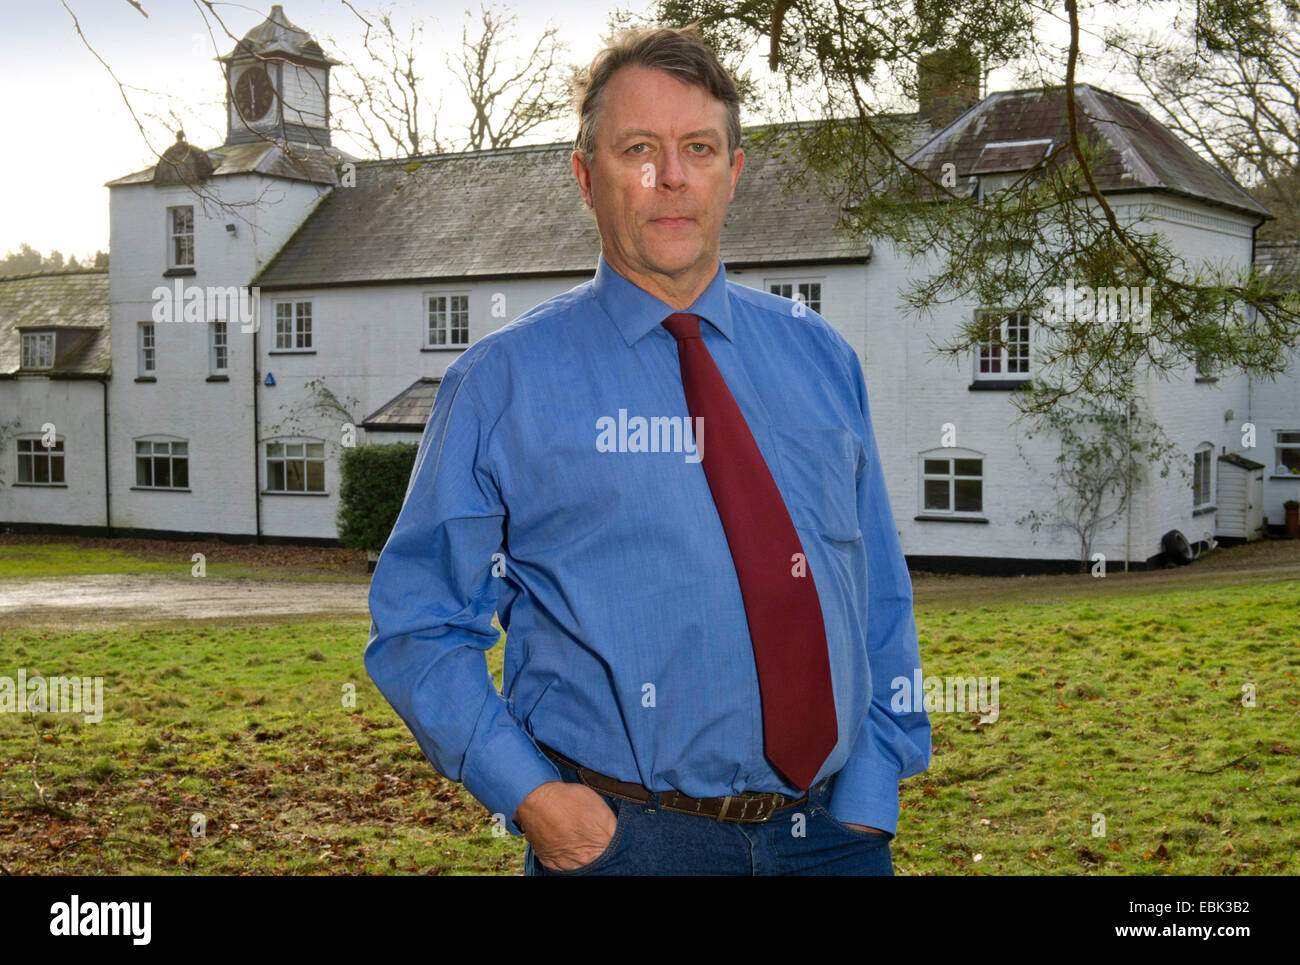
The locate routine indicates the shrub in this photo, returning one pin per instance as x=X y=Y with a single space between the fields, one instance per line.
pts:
x=374 y=480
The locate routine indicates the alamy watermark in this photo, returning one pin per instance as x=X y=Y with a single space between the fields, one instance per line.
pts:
x=656 y=434
x=197 y=303
x=53 y=695
x=948 y=695
x=1105 y=306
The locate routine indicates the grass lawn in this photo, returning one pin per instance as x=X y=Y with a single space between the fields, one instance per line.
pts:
x=1128 y=708
x=29 y=560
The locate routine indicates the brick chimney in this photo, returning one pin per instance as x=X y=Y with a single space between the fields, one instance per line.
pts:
x=947 y=83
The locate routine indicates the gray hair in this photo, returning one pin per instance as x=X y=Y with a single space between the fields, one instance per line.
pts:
x=677 y=51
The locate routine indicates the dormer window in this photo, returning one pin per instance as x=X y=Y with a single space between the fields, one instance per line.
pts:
x=180 y=236
x=37 y=350
x=1002 y=163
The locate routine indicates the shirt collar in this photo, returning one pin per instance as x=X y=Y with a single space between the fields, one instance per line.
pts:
x=635 y=311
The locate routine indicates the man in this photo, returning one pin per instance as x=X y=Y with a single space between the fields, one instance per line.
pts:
x=703 y=626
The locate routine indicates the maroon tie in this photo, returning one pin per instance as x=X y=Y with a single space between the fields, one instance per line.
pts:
x=781 y=606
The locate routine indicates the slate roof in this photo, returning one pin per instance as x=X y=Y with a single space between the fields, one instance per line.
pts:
x=1233 y=459
x=1280 y=260
x=517 y=211
x=408 y=410
x=276 y=38
x=296 y=162
x=1139 y=153
x=75 y=303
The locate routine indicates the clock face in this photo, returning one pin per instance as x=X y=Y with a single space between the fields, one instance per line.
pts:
x=253 y=94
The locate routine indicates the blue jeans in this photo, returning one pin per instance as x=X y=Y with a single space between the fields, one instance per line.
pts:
x=800 y=840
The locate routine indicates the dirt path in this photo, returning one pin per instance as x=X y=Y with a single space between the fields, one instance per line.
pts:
x=95 y=600
x=1268 y=561
x=90 y=601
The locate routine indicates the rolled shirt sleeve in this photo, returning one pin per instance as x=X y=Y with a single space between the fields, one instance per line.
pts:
x=432 y=599
x=890 y=745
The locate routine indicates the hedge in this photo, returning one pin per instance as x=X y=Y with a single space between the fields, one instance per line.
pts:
x=374 y=481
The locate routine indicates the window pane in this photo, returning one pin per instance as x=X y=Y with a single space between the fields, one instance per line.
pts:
x=40 y=469
x=316 y=450
x=315 y=476
x=294 y=476
x=24 y=468
x=1290 y=458
x=1288 y=437
x=274 y=450
x=937 y=466
x=143 y=447
x=969 y=495
x=56 y=469
x=294 y=450
x=143 y=471
x=275 y=476
x=180 y=472
x=162 y=471
x=936 y=494
x=180 y=448
x=969 y=467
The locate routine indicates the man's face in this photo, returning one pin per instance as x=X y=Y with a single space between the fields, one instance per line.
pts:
x=660 y=180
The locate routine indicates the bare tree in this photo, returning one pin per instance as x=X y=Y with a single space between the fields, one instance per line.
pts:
x=384 y=107
x=1231 y=89
x=508 y=99
x=512 y=100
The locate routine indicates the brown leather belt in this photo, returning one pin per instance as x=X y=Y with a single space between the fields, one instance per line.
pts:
x=749 y=806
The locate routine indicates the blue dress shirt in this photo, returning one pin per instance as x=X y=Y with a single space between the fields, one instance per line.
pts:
x=627 y=645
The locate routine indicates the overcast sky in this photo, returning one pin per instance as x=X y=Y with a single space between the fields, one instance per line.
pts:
x=68 y=129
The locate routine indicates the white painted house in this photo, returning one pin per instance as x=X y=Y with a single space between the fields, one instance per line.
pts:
x=374 y=276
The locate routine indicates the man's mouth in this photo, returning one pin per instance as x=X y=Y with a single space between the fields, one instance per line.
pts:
x=673 y=221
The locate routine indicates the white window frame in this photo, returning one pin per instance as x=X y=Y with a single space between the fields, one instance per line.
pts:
x=293 y=329
x=175 y=258
x=37 y=350
x=996 y=352
x=147 y=348
x=440 y=324
x=33 y=451
x=218 y=347
x=801 y=290
x=1203 y=459
x=161 y=449
x=952 y=476
x=282 y=452
x=1279 y=446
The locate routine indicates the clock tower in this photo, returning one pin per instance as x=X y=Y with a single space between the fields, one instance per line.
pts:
x=277 y=85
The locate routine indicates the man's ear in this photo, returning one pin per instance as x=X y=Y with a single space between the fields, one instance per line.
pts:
x=735 y=173
x=583 y=176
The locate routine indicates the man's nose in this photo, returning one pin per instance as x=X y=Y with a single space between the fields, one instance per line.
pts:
x=672 y=174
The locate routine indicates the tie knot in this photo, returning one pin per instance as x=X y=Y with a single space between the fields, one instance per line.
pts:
x=683 y=325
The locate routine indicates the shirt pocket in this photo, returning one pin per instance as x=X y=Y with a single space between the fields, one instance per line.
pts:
x=821 y=466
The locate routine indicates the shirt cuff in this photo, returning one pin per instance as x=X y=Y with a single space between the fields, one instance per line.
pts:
x=869 y=799
x=504 y=772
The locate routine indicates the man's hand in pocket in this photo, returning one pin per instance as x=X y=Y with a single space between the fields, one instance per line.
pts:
x=568 y=825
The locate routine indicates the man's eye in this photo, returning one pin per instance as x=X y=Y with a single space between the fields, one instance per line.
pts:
x=633 y=148
x=703 y=148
